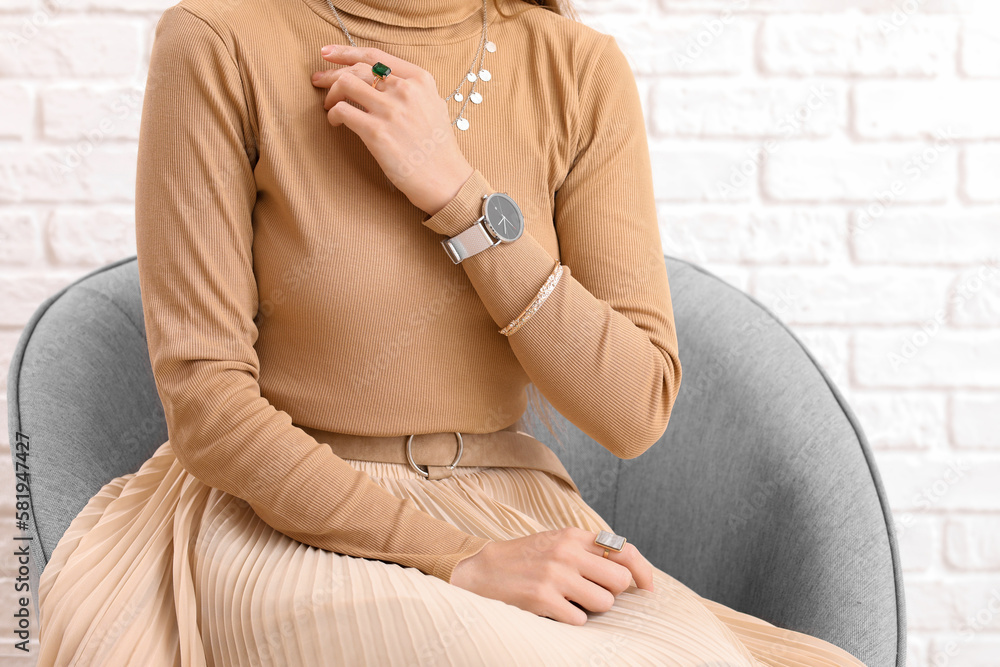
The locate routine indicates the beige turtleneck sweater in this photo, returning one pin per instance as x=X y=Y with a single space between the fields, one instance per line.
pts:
x=286 y=282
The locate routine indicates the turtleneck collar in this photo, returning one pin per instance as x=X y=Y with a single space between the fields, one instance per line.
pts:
x=412 y=13
x=408 y=22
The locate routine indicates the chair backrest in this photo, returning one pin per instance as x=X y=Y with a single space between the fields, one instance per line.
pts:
x=762 y=494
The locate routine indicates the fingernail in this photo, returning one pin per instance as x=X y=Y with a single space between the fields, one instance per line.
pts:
x=326 y=50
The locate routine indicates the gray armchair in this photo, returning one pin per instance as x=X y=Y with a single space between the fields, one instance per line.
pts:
x=763 y=493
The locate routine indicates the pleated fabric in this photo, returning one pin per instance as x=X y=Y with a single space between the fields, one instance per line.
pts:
x=160 y=570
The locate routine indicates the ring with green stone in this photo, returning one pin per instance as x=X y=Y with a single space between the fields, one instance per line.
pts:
x=380 y=71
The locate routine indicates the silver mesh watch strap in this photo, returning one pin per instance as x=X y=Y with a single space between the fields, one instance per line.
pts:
x=468 y=243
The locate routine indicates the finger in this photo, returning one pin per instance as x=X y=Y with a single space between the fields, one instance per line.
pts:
x=325 y=78
x=613 y=577
x=348 y=55
x=641 y=569
x=354 y=89
x=629 y=556
x=359 y=121
x=589 y=594
x=560 y=609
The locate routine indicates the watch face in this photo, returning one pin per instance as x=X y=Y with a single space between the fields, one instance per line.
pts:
x=504 y=216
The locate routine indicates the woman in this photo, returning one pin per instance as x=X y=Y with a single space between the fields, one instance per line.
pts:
x=351 y=271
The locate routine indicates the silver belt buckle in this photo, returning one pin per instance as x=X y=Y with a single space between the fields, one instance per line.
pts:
x=425 y=473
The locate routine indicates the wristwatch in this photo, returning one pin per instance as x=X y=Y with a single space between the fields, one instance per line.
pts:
x=501 y=222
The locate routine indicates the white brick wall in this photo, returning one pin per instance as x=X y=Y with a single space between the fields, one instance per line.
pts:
x=838 y=159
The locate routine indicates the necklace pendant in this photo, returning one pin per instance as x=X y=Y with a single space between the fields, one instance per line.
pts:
x=491 y=47
x=476 y=98
x=470 y=76
x=459 y=97
x=485 y=75
x=463 y=124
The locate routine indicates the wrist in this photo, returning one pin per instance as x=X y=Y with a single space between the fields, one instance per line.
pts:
x=465 y=573
x=449 y=190
x=463 y=209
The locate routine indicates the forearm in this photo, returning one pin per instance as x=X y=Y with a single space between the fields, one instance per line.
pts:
x=239 y=443
x=596 y=366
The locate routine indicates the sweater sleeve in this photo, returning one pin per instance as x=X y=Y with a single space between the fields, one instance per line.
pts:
x=195 y=193
x=602 y=348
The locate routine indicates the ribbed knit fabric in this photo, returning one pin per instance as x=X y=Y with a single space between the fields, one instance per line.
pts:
x=286 y=282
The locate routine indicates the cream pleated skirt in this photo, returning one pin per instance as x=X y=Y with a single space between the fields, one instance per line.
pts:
x=159 y=569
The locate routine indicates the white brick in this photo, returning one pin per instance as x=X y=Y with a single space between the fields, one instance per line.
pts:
x=973 y=543
x=974 y=420
x=980 y=56
x=19 y=238
x=905 y=110
x=68 y=173
x=720 y=109
x=704 y=173
x=882 y=7
x=916 y=651
x=92 y=237
x=967 y=648
x=927 y=356
x=902 y=420
x=135 y=5
x=858 y=44
x=842 y=296
x=933 y=482
x=946 y=604
x=981 y=171
x=18 y=5
x=75 y=112
x=924 y=236
x=867 y=174
x=21 y=294
x=17 y=111
x=919 y=540
x=686 y=44
x=756 y=235
x=69 y=47
x=974 y=299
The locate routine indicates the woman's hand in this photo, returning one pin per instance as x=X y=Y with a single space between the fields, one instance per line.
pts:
x=405 y=124
x=545 y=573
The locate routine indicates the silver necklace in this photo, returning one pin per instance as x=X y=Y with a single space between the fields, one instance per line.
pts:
x=475 y=73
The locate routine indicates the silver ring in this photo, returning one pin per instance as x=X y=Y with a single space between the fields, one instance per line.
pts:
x=609 y=541
x=409 y=455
